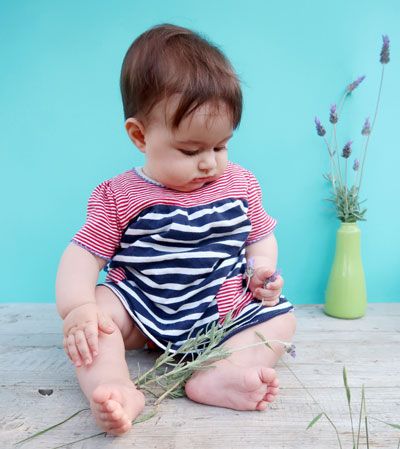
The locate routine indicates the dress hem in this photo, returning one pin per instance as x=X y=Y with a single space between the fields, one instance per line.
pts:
x=257 y=319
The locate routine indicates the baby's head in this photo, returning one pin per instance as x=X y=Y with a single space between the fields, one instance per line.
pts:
x=182 y=100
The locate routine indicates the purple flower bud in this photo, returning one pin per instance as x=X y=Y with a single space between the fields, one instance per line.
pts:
x=272 y=278
x=320 y=129
x=356 y=165
x=366 y=128
x=291 y=349
x=347 y=150
x=250 y=267
x=333 y=118
x=355 y=83
x=385 y=50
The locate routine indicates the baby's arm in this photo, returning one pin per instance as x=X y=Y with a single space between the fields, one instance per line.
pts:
x=264 y=255
x=75 y=297
x=76 y=278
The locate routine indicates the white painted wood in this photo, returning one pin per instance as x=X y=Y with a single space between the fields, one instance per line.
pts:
x=31 y=357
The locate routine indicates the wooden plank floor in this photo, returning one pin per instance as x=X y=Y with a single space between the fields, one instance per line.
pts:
x=32 y=357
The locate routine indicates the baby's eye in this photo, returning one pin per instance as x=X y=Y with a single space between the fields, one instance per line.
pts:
x=194 y=153
x=188 y=153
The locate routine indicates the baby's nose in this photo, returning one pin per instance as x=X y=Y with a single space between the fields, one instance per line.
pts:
x=208 y=160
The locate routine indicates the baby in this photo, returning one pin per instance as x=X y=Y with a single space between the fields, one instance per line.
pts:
x=175 y=237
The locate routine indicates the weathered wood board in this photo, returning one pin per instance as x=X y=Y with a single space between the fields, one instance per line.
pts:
x=32 y=357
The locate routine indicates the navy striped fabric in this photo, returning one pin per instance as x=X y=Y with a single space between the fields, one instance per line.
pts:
x=176 y=260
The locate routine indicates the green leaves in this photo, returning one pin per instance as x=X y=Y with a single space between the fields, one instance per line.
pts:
x=348 y=396
x=52 y=427
x=363 y=413
x=315 y=420
x=348 y=205
x=346 y=385
x=395 y=426
x=172 y=370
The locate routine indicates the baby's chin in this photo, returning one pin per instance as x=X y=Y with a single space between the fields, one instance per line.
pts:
x=190 y=186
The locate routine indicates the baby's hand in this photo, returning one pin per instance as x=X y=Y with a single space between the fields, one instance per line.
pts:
x=81 y=328
x=268 y=292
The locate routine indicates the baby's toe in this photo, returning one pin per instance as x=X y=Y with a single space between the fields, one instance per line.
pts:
x=112 y=405
x=110 y=417
x=271 y=394
x=262 y=405
x=120 y=430
x=118 y=414
x=272 y=390
x=274 y=383
x=115 y=413
x=118 y=423
x=270 y=397
x=268 y=375
x=100 y=395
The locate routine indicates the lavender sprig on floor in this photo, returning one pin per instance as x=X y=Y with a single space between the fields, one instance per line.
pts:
x=171 y=371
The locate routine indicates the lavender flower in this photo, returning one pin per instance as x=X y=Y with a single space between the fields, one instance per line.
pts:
x=355 y=84
x=346 y=197
x=333 y=118
x=250 y=267
x=347 y=150
x=366 y=128
x=272 y=278
x=385 y=50
x=291 y=349
x=320 y=129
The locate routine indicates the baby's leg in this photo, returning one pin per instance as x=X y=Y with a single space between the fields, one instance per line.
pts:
x=246 y=380
x=106 y=383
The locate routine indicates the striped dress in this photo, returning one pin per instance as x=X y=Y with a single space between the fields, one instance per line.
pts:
x=176 y=260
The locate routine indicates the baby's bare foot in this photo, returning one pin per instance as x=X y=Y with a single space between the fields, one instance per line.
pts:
x=234 y=387
x=115 y=405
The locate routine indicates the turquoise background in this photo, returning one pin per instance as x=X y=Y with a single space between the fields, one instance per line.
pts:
x=61 y=124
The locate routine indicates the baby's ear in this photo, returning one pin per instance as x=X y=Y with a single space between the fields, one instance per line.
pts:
x=135 y=130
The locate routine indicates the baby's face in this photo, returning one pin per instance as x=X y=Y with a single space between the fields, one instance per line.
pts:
x=194 y=154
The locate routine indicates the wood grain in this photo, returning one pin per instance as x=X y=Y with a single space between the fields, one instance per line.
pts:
x=32 y=358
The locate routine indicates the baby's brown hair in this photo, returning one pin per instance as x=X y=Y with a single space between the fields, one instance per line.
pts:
x=167 y=60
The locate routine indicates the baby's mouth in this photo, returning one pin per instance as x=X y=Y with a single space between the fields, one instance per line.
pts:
x=205 y=179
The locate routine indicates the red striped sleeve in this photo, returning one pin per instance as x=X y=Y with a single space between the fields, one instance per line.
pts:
x=101 y=233
x=261 y=223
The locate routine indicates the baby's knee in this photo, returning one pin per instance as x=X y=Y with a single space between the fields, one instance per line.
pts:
x=287 y=324
x=291 y=322
x=110 y=304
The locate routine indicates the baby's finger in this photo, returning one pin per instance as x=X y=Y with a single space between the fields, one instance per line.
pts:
x=270 y=302
x=262 y=294
x=73 y=351
x=66 y=348
x=83 y=347
x=106 y=324
x=274 y=284
x=91 y=333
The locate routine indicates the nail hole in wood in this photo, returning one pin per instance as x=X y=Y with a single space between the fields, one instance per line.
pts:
x=45 y=391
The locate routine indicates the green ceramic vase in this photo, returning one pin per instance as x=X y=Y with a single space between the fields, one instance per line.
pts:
x=346 y=295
